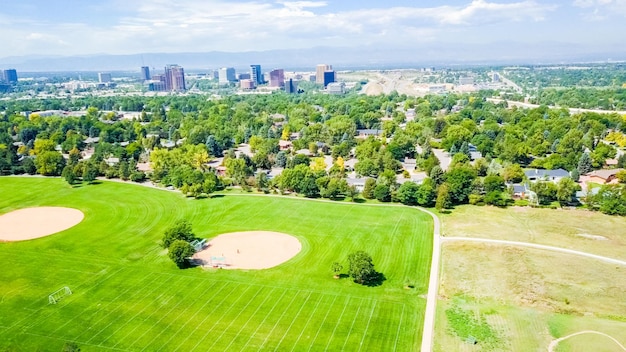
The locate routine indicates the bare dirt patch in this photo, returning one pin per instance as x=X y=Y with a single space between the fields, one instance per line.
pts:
x=249 y=250
x=30 y=223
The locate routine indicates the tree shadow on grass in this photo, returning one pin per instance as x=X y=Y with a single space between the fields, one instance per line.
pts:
x=376 y=279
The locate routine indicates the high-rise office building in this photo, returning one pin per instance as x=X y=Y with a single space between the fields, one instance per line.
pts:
x=175 y=78
x=256 y=74
x=145 y=73
x=9 y=76
x=227 y=75
x=277 y=78
x=329 y=77
x=291 y=87
x=319 y=72
x=104 y=77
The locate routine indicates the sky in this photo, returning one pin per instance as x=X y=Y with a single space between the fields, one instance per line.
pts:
x=71 y=27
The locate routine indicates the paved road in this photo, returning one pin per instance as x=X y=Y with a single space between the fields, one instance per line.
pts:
x=537 y=246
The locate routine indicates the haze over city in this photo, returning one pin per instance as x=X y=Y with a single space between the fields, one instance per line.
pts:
x=396 y=31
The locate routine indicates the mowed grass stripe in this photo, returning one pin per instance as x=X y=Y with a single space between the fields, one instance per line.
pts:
x=62 y=319
x=174 y=302
x=246 y=311
x=194 y=316
x=120 y=237
x=235 y=304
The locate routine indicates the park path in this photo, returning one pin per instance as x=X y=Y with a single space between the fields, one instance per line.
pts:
x=537 y=246
x=555 y=343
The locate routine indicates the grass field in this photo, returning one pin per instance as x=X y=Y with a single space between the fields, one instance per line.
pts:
x=529 y=297
x=560 y=228
x=128 y=296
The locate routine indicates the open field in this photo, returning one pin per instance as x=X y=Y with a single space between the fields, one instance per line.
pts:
x=580 y=230
x=526 y=298
x=128 y=296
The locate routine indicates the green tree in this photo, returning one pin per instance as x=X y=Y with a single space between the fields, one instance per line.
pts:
x=337 y=267
x=584 y=164
x=460 y=182
x=368 y=189
x=444 y=199
x=437 y=175
x=566 y=189
x=50 y=163
x=179 y=251
x=361 y=267
x=493 y=183
x=513 y=173
x=68 y=174
x=90 y=172
x=382 y=193
x=407 y=193
x=181 y=230
x=426 y=193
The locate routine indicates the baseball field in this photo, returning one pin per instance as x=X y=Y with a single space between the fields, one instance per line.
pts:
x=126 y=295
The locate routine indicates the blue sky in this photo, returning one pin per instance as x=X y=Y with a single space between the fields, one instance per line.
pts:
x=71 y=27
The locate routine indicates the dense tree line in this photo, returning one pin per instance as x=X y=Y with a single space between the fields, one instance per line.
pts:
x=180 y=135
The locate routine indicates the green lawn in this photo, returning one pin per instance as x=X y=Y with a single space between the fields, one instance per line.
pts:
x=128 y=296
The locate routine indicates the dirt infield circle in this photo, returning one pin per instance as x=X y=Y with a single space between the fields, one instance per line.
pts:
x=249 y=250
x=30 y=223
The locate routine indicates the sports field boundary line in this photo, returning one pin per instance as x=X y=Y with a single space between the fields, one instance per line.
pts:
x=205 y=318
x=99 y=310
x=189 y=293
x=143 y=296
x=354 y=319
x=536 y=246
x=293 y=321
x=367 y=326
x=193 y=316
x=278 y=320
x=236 y=319
x=337 y=324
x=263 y=321
x=220 y=319
x=78 y=342
x=249 y=319
x=555 y=343
x=307 y=322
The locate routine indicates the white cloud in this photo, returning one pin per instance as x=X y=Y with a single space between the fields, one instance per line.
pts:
x=596 y=10
x=200 y=25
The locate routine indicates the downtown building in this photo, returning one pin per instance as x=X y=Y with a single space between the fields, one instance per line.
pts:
x=172 y=80
x=324 y=74
x=256 y=75
x=277 y=78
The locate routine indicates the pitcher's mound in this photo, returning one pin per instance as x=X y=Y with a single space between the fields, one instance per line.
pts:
x=29 y=223
x=249 y=250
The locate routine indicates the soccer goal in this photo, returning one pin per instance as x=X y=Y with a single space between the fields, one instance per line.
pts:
x=57 y=295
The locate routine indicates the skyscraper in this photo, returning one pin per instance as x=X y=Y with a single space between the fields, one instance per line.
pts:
x=145 y=73
x=226 y=75
x=277 y=78
x=319 y=72
x=10 y=75
x=329 y=77
x=291 y=87
x=174 y=78
x=256 y=74
x=104 y=77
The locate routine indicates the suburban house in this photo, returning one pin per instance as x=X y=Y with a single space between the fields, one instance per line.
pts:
x=520 y=191
x=368 y=132
x=534 y=175
x=358 y=183
x=284 y=145
x=601 y=176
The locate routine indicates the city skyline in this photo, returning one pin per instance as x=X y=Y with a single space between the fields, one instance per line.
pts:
x=116 y=27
